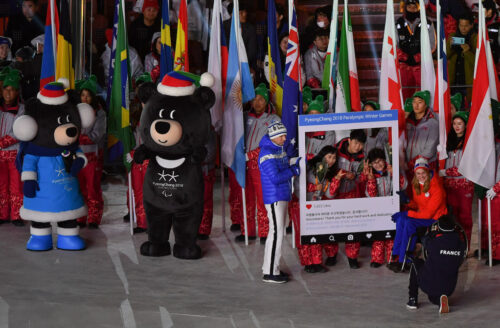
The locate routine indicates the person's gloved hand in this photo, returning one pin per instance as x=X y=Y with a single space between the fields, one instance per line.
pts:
x=403 y=197
x=490 y=194
x=29 y=188
x=295 y=168
x=77 y=166
x=128 y=158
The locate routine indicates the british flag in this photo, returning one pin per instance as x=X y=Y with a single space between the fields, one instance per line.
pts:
x=291 y=87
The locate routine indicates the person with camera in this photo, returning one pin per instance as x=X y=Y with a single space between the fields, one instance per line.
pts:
x=437 y=276
x=461 y=51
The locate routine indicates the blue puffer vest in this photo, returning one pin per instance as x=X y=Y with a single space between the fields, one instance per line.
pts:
x=275 y=172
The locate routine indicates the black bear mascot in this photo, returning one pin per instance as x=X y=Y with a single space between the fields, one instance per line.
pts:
x=49 y=161
x=175 y=126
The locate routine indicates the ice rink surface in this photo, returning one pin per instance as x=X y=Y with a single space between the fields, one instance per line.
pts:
x=111 y=285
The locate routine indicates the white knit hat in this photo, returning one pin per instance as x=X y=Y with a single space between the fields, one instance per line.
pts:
x=276 y=129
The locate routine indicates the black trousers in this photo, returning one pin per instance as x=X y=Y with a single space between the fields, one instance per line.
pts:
x=416 y=265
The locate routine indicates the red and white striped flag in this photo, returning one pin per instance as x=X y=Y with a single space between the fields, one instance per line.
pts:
x=390 y=95
x=442 y=100
x=427 y=73
x=478 y=160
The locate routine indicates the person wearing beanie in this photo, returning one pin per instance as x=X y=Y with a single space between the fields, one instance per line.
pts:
x=276 y=174
x=257 y=122
x=437 y=276
x=306 y=98
x=92 y=143
x=350 y=158
x=136 y=66
x=314 y=58
x=11 y=193
x=5 y=53
x=375 y=137
x=427 y=204
x=3 y=73
x=459 y=190
x=456 y=103
x=422 y=132
x=153 y=58
x=315 y=141
x=408 y=29
x=141 y=30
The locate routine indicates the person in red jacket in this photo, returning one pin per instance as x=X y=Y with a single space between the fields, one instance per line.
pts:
x=11 y=189
x=91 y=143
x=459 y=190
x=427 y=205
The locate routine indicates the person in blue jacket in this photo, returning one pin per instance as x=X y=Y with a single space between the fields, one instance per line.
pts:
x=49 y=160
x=276 y=176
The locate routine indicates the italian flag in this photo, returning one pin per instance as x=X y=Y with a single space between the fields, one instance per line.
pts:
x=347 y=74
x=478 y=160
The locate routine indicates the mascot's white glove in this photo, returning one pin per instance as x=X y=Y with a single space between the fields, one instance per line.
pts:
x=246 y=157
x=129 y=158
x=442 y=173
x=490 y=194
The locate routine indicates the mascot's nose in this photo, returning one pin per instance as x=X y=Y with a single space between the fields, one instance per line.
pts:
x=71 y=132
x=162 y=127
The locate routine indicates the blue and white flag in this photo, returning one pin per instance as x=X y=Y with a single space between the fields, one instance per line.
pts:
x=239 y=89
x=291 y=86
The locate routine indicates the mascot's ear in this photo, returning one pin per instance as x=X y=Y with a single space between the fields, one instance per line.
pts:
x=206 y=97
x=87 y=115
x=25 y=128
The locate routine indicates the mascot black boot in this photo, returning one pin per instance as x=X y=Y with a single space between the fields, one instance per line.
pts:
x=174 y=126
x=49 y=161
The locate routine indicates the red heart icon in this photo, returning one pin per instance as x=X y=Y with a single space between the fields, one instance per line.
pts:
x=308 y=206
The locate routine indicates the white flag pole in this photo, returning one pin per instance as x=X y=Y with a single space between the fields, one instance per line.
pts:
x=130 y=207
x=479 y=224
x=489 y=234
x=245 y=215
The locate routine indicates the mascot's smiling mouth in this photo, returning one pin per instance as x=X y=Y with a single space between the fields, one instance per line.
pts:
x=169 y=163
x=163 y=142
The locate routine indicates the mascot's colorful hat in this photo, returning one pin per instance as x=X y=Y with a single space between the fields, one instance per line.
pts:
x=178 y=83
x=53 y=94
x=463 y=115
x=317 y=104
x=276 y=129
x=421 y=163
x=262 y=91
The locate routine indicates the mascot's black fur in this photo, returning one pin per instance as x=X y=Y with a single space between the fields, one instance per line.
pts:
x=174 y=131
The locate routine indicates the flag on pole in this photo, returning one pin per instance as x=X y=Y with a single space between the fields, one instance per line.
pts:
x=347 y=75
x=292 y=85
x=181 y=58
x=478 y=160
x=166 y=59
x=427 y=74
x=329 y=74
x=239 y=89
x=48 y=72
x=273 y=54
x=217 y=63
x=64 y=65
x=390 y=91
x=120 y=137
x=442 y=95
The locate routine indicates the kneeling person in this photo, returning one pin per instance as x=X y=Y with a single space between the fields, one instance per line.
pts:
x=437 y=276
